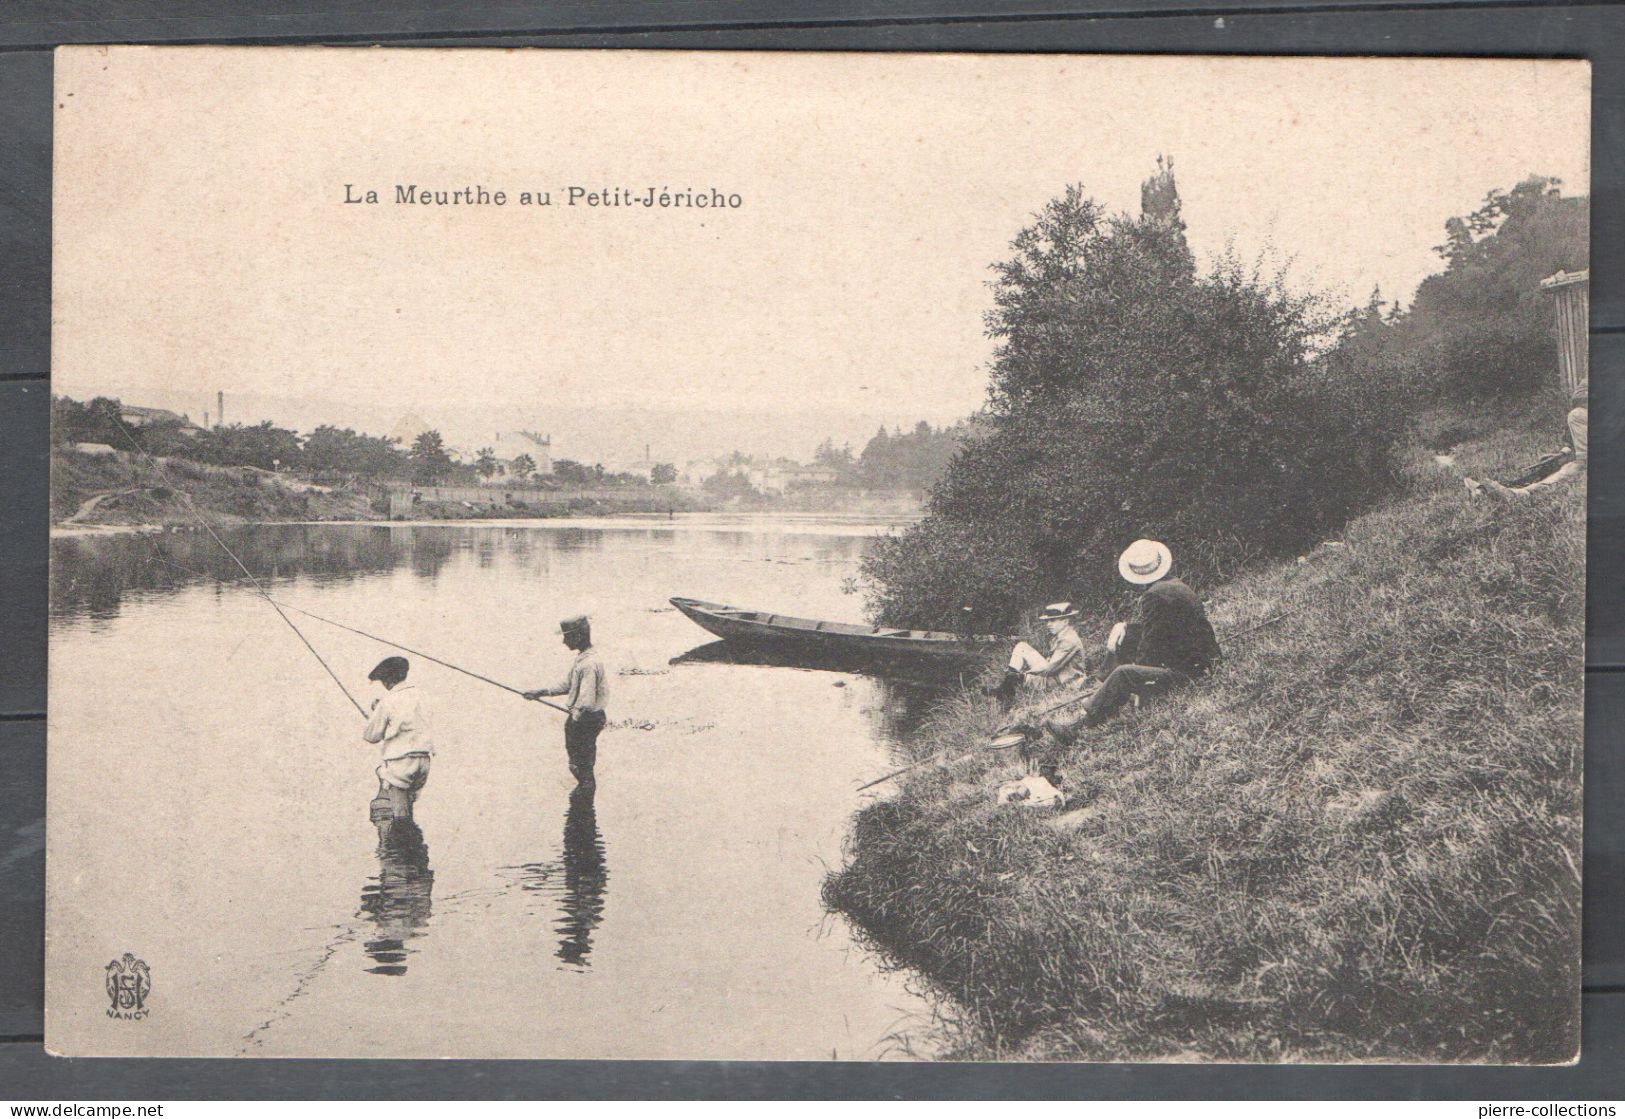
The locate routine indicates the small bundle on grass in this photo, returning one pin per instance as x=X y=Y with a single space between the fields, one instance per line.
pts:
x=1360 y=840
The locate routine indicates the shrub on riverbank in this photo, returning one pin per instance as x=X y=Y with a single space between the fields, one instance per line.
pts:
x=1132 y=395
x=1360 y=840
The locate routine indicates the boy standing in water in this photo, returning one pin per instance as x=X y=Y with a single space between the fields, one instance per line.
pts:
x=399 y=724
x=589 y=694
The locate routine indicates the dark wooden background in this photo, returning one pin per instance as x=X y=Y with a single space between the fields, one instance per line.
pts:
x=29 y=29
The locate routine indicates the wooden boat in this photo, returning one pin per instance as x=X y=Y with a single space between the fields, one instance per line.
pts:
x=758 y=627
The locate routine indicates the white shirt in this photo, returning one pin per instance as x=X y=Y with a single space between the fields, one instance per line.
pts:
x=587 y=684
x=400 y=724
x=1066 y=656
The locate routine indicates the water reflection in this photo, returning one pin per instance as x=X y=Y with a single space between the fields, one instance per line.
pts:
x=907 y=691
x=93 y=575
x=398 y=900
x=576 y=879
x=799 y=740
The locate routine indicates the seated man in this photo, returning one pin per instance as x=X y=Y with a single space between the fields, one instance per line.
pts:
x=1554 y=469
x=1063 y=665
x=1167 y=643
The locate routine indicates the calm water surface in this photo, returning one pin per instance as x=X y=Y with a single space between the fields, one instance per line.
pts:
x=210 y=789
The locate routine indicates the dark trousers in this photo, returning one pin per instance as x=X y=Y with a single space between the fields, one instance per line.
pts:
x=1125 y=682
x=581 y=743
x=1545 y=468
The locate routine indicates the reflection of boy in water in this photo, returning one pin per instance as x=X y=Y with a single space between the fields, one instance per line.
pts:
x=584 y=878
x=399 y=724
x=399 y=900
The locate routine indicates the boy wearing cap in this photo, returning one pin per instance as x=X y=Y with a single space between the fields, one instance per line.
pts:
x=1064 y=665
x=1167 y=643
x=589 y=694
x=399 y=725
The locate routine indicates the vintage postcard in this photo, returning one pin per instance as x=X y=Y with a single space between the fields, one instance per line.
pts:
x=816 y=556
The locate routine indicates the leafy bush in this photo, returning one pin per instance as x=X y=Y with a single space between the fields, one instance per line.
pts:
x=1483 y=326
x=1131 y=397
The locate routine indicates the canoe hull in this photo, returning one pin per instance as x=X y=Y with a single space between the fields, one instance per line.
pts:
x=763 y=629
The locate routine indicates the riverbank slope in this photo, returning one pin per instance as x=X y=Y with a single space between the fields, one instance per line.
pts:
x=105 y=490
x=91 y=492
x=1359 y=841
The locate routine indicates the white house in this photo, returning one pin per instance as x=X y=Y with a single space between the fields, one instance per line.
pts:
x=507 y=446
x=695 y=472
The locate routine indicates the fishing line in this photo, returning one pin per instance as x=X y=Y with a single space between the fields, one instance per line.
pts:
x=380 y=640
x=416 y=653
x=198 y=516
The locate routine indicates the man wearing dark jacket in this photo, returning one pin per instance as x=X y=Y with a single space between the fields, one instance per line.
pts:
x=1168 y=642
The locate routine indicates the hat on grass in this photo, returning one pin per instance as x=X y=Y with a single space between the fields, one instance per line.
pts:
x=1057 y=611
x=1145 y=561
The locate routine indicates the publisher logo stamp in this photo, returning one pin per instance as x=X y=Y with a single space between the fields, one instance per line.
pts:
x=129 y=982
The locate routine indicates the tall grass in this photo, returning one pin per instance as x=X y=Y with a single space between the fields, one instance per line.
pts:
x=1359 y=840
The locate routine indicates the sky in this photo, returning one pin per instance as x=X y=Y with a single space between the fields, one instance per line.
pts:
x=202 y=242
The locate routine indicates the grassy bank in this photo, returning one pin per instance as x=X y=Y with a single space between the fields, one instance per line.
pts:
x=1360 y=840
x=128 y=491
x=104 y=490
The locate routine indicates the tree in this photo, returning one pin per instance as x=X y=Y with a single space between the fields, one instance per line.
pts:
x=572 y=473
x=430 y=460
x=729 y=482
x=485 y=462
x=1132 y=396
x=262 y=445
x=1483 y=325
x=335 y=450
x=523 y=467
x=662 y=474
x=99 y=421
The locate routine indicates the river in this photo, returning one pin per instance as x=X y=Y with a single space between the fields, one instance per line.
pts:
x=209 y=795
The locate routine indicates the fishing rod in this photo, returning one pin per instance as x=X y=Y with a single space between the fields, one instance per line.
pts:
x=918 y=764
x=419 y=653
x=198 y=516
x=385 y=641
x=1015 y=734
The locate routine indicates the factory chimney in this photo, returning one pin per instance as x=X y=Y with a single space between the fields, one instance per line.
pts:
x=220 y=409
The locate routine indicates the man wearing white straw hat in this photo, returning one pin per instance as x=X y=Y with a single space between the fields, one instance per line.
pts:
x=1168 y=643
x=1063 y=665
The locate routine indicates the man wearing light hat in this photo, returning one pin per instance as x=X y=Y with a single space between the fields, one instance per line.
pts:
x=1064 y=664
x=589 y=694
x=1167 y=643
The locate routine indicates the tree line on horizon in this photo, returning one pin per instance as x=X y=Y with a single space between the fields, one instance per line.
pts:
x=895 y=461
x=326 y=452
x=1133 y=394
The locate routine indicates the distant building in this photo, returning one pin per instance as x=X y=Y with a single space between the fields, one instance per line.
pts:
x=408 y=428
x=695 y=472
x=137 y=416
x=100 y=450
x=777 y=477
x=638 y=468
x=507 y=446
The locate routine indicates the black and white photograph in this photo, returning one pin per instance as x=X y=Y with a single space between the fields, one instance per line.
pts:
x=816 y=556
